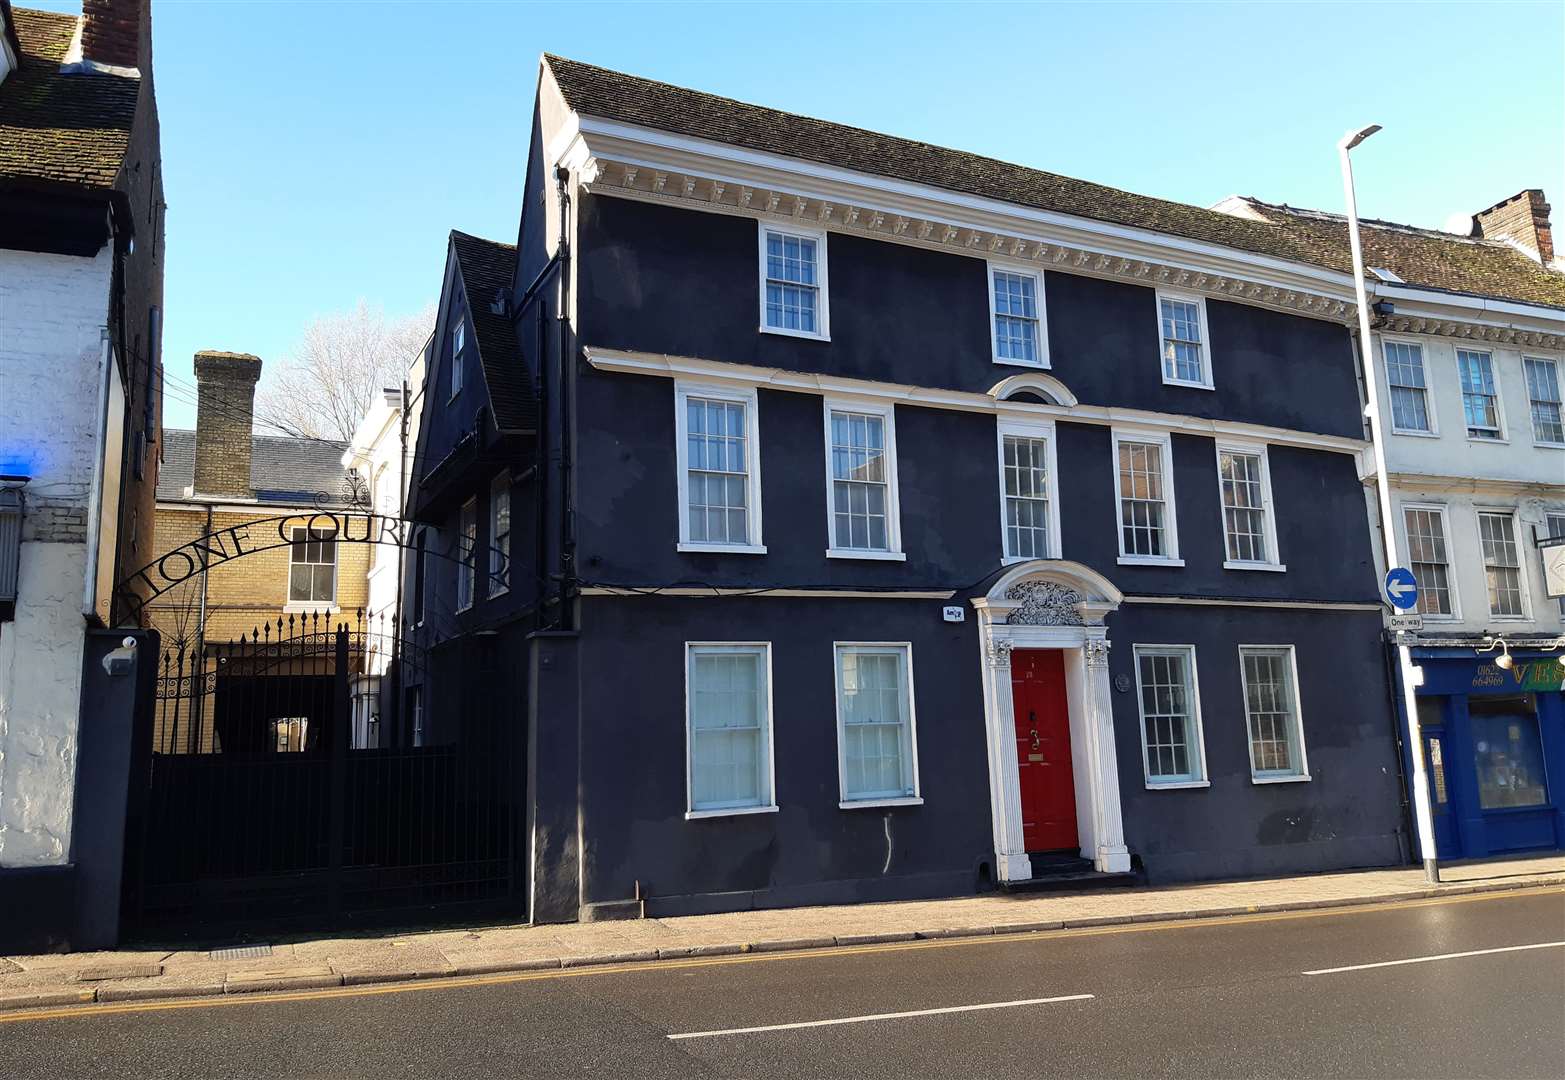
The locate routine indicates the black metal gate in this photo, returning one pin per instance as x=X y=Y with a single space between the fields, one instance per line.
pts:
x=281 y=784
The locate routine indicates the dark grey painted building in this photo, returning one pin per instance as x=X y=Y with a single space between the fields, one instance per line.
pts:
x=883 y=521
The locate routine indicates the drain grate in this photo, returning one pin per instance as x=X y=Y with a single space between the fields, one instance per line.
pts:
x=242 y=952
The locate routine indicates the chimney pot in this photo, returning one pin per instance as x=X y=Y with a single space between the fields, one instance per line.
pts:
x=1523 y=219
x=225 y=413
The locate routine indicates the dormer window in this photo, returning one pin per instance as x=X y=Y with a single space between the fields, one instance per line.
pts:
x=458 y=341
x=793 y=282
x=1182 y=329
x=1017 y=317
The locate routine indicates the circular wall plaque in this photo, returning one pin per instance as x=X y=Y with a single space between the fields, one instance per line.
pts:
x=1122 y=683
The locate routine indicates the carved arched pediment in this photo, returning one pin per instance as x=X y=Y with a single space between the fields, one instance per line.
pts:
x=1044 y=603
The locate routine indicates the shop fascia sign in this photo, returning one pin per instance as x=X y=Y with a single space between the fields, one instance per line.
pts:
x=1545 y=674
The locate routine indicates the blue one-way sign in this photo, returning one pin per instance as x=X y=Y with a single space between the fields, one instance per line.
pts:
x=1401 y=588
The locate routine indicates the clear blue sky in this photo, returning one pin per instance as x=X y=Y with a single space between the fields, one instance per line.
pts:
x=318 y=153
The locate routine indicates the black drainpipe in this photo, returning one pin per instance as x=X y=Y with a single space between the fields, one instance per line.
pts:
x=566 y=615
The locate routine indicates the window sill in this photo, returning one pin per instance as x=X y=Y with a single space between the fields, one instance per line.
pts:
x=299 y=607
x=868 y=804
x=721 y=549
x=1510 y=618
x=733 y=811
x=1239 y=564
x=1488 y=442
x=1148 y=560
x=1177 y=785
x=875 y=556
x=1187 y=385
x=1416 y=434
x=1014 y=560
x=1034 y=365
x=1550 y=445
x=804 y=334
x=1300 y=779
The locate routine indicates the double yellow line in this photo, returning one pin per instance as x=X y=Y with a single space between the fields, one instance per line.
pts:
x=654 y=966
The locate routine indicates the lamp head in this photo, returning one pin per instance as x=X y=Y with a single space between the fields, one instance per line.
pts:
x=1504 y=661
x=1353 y=138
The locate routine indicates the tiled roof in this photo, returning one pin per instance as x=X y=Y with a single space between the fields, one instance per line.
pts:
x=486 y=268
x=1432 y=260
x=58 y=129
x=283 y=471
x=1424 y=257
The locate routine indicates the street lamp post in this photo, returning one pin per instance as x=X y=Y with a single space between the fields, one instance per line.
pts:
x=1423 y=817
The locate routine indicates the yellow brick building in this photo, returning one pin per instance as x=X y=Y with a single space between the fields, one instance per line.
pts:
x=298 y=583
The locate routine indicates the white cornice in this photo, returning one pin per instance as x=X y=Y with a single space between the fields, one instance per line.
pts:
x=645 y=164
x=1473 y=485
x=638 y=363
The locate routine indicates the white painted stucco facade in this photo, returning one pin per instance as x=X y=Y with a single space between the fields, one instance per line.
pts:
x=53 y=333
x=1456 y=477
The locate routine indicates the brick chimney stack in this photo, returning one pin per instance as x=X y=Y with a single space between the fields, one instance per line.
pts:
x=1522 y=219
x=117 y=33
x=225 y=412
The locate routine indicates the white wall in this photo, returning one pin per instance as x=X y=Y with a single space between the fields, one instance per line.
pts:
x=1464 y=476
x=53 y=313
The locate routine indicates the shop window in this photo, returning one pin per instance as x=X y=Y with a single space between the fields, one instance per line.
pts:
x=1507 y=751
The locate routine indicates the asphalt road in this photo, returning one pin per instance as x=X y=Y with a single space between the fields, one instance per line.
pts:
x=1206 y=999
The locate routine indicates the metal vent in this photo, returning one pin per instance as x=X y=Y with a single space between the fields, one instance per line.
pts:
x=10 y=537
x=242 y=952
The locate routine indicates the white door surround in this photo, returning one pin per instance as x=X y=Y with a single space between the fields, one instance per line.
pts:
x=1053 y=604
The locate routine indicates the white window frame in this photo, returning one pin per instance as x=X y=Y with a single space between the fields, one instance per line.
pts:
x=1030 y=429
x=1522 y=582
x=1196 y=743
x=1273 y=560
x=764 y=648
x=467 y=563
x=496 y=584
x=823 y=309
x=1036 y=276
x=887 y=411
x=845 y=803
x=458 y=346
x=749 y=398
x=329 y=605
x=1429 y=390
x=1303 y=775
x=1171 y=523
x=1450 y=565
x=1559 y=382
x=1199 y=301
x=1504 y=435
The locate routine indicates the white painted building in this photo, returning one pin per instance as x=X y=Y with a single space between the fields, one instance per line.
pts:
x=380 y=451
x=81 y=240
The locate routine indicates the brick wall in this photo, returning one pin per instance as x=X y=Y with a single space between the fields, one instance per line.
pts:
x=1522 y=218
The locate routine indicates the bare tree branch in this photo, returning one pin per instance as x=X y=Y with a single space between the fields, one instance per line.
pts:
x=343 y=360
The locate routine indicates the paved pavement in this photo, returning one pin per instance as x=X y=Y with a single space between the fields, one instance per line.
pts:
x=154 y=973
x=1361 y=992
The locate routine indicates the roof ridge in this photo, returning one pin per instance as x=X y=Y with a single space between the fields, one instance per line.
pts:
x=484 y=239
x=1377 y=223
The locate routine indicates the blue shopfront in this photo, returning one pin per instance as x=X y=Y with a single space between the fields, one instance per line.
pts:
x=1494 y=747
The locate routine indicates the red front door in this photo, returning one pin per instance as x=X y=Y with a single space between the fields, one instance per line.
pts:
x=1043 y=749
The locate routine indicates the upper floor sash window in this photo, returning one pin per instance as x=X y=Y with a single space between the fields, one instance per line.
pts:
x=793 y=282
x=1182 y=329
x=1430 y=560
x=467 y=565
x=1016 y=311
x=500 y=534
x=1145 y=477
x=1502 y=564
x=312 y=567
x=1480 y=397
x=719 y=471
x=1543 y=394
x=1249 y=526
x=458 y=347
x=1409 y=387
x=1029 y=508
x=1555 y=523
x=861 y=476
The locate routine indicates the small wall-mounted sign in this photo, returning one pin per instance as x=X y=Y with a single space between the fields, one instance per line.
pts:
x=1122 y=683
x=1407 y=622
x=953 y=613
